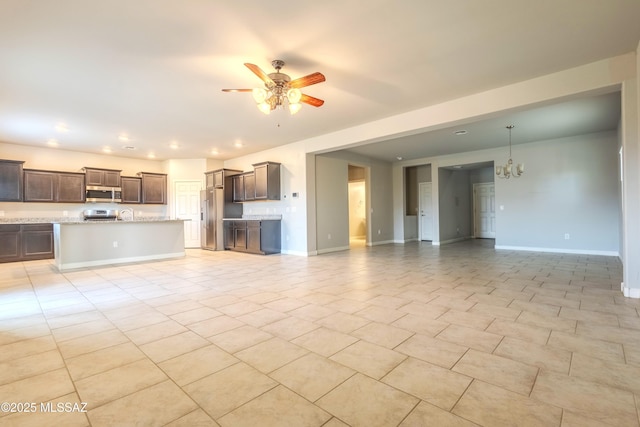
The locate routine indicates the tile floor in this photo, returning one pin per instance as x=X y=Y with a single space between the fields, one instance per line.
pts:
x=409 y=335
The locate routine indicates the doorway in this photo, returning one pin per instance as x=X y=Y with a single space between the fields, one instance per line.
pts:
x=425 y=205
x=187 y=207
x=357 y=206
x=484 y=209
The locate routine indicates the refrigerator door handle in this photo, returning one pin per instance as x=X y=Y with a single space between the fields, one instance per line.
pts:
x=206 y=214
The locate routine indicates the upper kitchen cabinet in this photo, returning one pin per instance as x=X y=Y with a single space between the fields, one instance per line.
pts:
x=267 y=175
x=51 y=186
x=131 y=189
x=215 y=179
x=11 y=180
x=154 y=188
x=71 y=188
x=102 y=177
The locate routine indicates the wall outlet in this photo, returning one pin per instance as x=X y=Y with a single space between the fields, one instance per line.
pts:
x=567 y=236
x=1 y=213
x=115 y=243
x=329 y=236
x=378 y=231
x=294 y=195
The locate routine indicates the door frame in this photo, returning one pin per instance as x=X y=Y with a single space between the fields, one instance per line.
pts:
x=475 y=209
x=421 y=208
x=174 y=207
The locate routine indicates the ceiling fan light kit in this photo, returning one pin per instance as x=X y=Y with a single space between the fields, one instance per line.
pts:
x=279 y=90
x=507 y=171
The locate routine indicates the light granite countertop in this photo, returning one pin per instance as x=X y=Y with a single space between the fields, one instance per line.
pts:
x=74 y=220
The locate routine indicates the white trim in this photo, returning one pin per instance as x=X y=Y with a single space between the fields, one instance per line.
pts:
x=559 y=250
x=328 y=250
x=630 y=292
x=298 y=253
x=74 y=265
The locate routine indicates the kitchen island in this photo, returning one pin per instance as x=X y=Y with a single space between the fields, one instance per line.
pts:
x=92 y=243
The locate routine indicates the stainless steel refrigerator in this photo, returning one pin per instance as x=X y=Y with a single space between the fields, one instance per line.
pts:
x=215 y=204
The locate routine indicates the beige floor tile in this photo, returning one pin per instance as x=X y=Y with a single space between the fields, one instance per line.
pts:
x=118 y=382
x=312 y=312
x=382 y=334
x=342 y=322
x=521 y=331
x=167 y=348
x=26 y=347
x=155 y=405
x=312 y=376
x=550 y=322
x=421 y=325
x=432 y=350
x=70 y=414
x=82 y=329
x=216 y=325
x=488 y=405
x=614 y=374
x=239 y=338
x=362 y=401
x=510 y=374
x=271 y=354
x=380 y=314
x=325 y=342
x=290 y=327
x=431 y=383
x=239 y=308
x=572 y=419
x=90 y=343
x=103 y=360
x=197 y=418
x=543 y=356
x=589 y=316
x=226 y=390
x=195 y=315
x=495 y=311
x=262 y=317
x=470 y=320
x=334 y=422
x=278 y=407
x=155 y=332
x=451 y=303
x=469 y=337
x=587 y=398
x=197 y=364
x=370 y=359
x=607 y=333
x=426 y=414
x=424 y=310
x=537 y=308
x=38 y=388
x=597 y=348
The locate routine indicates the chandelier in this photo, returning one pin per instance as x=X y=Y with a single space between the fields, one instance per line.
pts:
x=507 y=171
x=277 y=96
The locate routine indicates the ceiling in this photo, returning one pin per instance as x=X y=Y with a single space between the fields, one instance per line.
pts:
x=80 y=74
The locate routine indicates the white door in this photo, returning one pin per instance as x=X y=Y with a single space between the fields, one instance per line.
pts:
x=484 y=207
x=188 y=208
x=426 y=211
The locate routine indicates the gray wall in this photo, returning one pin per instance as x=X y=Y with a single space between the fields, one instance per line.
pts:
x=332 y=210
x=570 y=186
x=454 y=204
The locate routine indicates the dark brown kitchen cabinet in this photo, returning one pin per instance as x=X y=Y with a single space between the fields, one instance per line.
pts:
x=40 y=186
x=253 y=236
x=216 y=178
x=52 y=186
x=71 y=188
x=267 y=181
x=131 y=189
x=154 y=188
x=102 y=177
x=11 y=180
x=23 y=242
x=249 y=186
x=238 y=188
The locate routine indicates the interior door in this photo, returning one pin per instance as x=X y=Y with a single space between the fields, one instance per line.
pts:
x=484 y=208
x=187 y=207
x=426 y=211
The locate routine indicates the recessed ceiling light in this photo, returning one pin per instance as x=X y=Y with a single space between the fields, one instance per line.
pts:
x=460 y=132
x=62 y=127
x=214 y=152
x=238 y=144
x=399 y=157
x=124 y=137
x=174 y=145
x=106 y=149
x=128 y=147
x=457 y=167
x=151 y=156
x=52 y=143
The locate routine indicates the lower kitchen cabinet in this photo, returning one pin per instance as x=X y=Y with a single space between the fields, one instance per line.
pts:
x=252 y=236
x=24 y=242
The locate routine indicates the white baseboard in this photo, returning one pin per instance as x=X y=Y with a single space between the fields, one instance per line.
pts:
x=382 y=242
x=630 y=292
x=329 y=250
x=558 y=250
x=62 y=266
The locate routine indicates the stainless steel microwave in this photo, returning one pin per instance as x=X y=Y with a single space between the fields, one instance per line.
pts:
x=103 y=194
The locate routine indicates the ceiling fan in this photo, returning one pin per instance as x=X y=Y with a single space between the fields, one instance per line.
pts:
x=279 y=89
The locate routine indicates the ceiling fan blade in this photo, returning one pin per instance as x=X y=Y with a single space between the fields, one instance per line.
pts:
x=311 y=100
x=309 y=80
x=258 y=72
x=237 y=90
